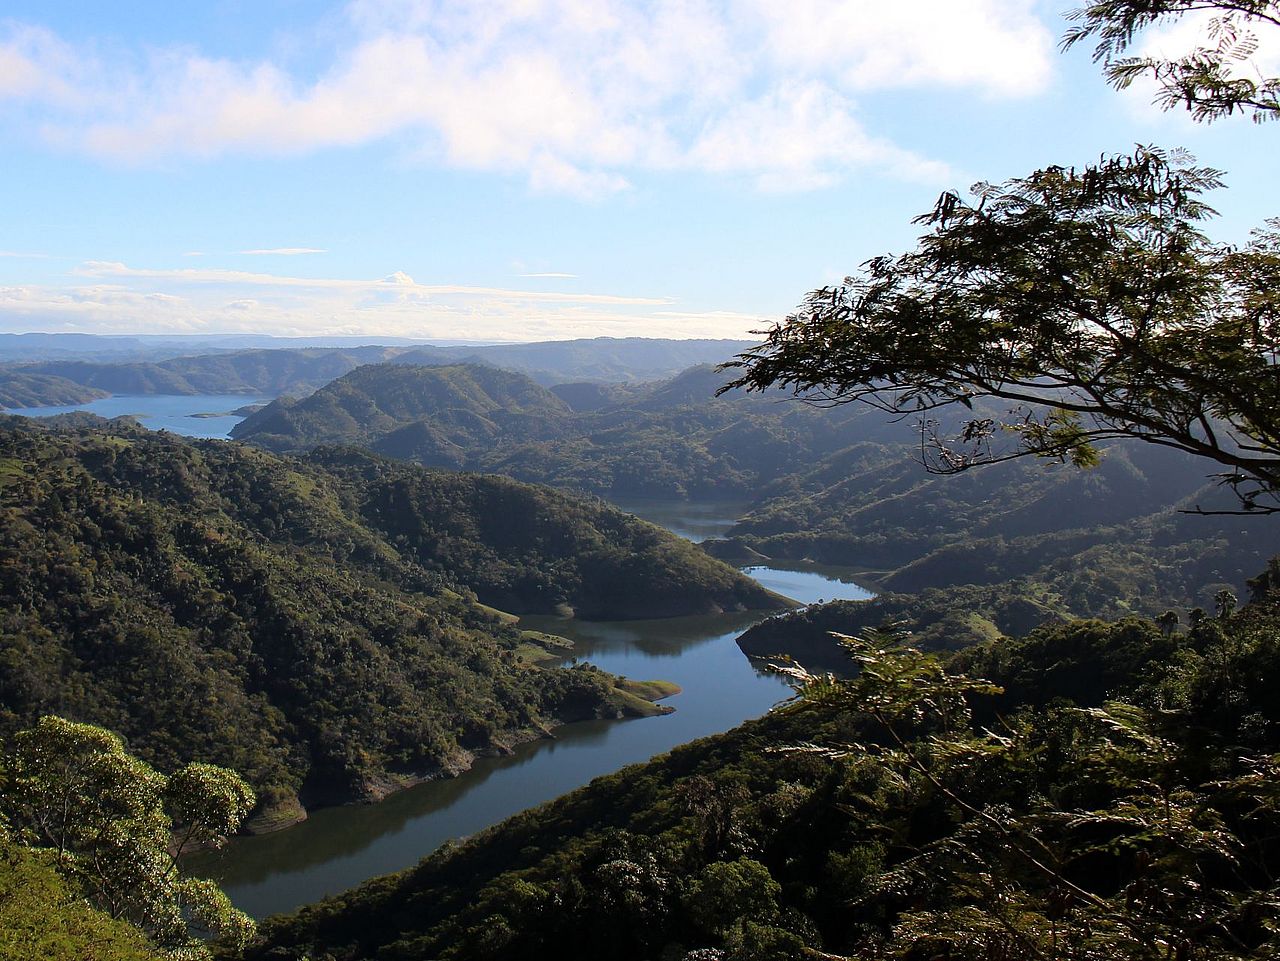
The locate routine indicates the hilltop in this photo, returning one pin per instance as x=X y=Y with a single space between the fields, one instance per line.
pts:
x=838 y=486
x=299 y=371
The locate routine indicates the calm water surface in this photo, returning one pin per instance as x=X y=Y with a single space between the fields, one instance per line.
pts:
x=697 y=522
x=198 y=415
x=338 y=848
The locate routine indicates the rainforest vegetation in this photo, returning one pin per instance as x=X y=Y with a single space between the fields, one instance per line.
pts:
x=1106 y=790
x=986 y=778
x=321 y=625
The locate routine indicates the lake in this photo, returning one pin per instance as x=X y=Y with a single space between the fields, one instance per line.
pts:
x=196 y=415
x=337 y=848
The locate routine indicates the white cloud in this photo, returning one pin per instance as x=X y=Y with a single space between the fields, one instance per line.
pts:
x=398 y=282
x=997 y=47
x=283 y=251
x=575 y=95
x=795 y=138
x=125 y=300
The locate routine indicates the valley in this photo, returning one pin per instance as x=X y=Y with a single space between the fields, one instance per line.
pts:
x=338 y=848
x=365 y=500
x=589 y=482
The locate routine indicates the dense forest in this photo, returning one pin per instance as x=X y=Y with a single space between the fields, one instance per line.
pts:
x=1104 y=792
x=319 y=625
x=839 y=486
x=667 y=439
x=1052 y=737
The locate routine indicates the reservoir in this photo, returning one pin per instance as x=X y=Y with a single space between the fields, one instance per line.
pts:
x=194 y=415
x=337 y=848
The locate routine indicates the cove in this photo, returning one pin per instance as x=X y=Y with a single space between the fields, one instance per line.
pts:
x=337 y=848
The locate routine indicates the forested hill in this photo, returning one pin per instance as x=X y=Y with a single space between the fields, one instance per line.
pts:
x=1118 y=795
x=314 y=623
x=841 y=486
x=672 y=438
x=432 y=415
x=43 y=390
x=298 y=371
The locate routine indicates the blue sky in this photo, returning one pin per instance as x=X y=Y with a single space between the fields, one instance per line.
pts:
x=523 y=169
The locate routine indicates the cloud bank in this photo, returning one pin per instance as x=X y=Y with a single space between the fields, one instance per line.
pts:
x=578 y=96
x=117 y=298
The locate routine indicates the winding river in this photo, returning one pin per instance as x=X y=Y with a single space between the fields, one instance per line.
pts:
x=337 y=848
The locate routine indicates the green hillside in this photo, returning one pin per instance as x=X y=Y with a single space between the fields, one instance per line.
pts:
x=669 y=439
x=299 y=371
x=896 y=817
x=455 y=408
x=317 y=625
x=836 y=486
x=43 y=390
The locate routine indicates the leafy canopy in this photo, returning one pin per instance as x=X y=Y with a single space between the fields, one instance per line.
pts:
x=1084 y=304
x=1089 y=300
x=1212 y=80
x=115 y=826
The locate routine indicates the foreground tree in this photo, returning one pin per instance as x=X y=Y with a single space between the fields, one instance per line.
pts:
x=1212 y=80
x=1084 y=304
x=1131 y=855
x=1087 y=300
x=114 y=826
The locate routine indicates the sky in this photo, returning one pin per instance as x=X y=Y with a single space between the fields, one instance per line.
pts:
x=527 y=169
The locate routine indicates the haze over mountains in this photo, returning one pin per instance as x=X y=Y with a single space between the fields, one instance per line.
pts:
x=840 y=485
x=298 y=371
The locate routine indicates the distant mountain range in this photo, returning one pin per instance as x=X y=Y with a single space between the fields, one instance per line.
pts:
x=300 y=371
x=839 y=485
x=124 y=347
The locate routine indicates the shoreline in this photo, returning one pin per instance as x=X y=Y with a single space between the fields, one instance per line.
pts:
x=378 y=787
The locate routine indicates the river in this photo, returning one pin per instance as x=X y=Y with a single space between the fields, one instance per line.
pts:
x=337 y=848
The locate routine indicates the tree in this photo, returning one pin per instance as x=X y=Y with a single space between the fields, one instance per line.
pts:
x=1082 y=305
x=116 y=827
x=44 y=918
x=1210 y=81
x=1087 y=300
x=1129 y=856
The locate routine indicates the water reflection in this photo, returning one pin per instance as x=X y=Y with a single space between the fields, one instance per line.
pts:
x=697 y=521
x=340 y=847
x=810 y=583
x=665 y=638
